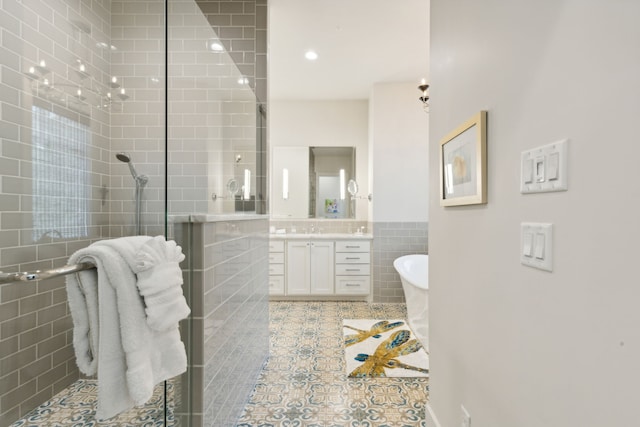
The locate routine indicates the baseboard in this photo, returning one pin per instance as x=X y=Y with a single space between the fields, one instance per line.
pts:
x=432 y=420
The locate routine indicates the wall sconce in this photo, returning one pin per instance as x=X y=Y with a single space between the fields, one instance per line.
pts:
x=246 y=193
x=424 y=98
x=342 y=185
x=285 y=184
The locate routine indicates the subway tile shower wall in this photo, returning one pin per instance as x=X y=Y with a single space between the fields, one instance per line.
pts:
x=229 y=295
x=390 y=241
x=45 y=134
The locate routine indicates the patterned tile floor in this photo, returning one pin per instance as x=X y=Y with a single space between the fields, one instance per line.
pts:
x=75 y=407
x=305 y=384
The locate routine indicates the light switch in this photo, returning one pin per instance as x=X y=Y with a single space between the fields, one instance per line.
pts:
x=544 y=168
x=527 y=249
x=536 y=245
x=539 y=169
x=552 y=166
x=527 y=172
x=539 y=245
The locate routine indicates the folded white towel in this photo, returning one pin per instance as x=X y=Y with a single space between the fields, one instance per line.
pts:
x=160 y=283
x=115 y=340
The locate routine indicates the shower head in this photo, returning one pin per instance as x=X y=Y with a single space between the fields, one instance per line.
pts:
x=123 y=157
x=126 y=158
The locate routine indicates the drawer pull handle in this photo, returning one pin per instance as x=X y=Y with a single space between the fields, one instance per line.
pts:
x=352 y=257
x=351 y=284
x=352 y=269
x=352 y=247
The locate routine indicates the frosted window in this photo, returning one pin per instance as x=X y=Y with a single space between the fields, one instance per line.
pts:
x=61 y=180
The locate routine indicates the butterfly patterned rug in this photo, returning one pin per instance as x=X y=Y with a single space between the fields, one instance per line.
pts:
x=383 y=348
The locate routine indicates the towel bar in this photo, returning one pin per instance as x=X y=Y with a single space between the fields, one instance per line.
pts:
x=41 y=275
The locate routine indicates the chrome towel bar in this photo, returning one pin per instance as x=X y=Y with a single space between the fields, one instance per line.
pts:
x=41 y=275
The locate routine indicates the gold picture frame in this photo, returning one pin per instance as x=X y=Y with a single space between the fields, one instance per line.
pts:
x=463 y=163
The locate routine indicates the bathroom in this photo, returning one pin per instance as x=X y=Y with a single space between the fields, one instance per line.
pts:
x=86 y=88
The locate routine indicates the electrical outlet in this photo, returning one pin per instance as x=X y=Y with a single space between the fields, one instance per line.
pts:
x=466 y=418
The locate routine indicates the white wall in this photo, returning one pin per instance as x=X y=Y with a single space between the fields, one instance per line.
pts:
x=519 y=346
x=398 y=154
x=324 y=124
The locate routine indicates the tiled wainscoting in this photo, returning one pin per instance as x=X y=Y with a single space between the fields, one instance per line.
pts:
x=390 y=241
x=229 y=303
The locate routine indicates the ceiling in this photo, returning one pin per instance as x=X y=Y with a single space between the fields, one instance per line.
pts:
x=359 y=43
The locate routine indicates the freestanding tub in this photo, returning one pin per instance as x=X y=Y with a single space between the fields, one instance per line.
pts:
x=414 y=274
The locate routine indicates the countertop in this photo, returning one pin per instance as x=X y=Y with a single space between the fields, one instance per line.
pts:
x=320 y=236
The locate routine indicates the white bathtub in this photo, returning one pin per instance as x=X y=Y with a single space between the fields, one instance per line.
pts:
x=414 y=274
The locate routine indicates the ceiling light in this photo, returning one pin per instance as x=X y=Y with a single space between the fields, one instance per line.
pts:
x=311 y=55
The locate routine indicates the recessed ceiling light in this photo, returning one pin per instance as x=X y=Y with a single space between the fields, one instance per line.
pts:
x=311 y=55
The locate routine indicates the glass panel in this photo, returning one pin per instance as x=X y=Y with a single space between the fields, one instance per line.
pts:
x=81 y=81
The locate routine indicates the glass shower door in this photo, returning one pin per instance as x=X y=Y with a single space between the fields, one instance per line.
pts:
x=80 y=83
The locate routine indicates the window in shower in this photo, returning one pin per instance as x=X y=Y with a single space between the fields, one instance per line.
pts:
x=61 y=181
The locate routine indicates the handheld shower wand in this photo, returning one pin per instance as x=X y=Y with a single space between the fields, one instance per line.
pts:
x=141 y=181
x=126 y=158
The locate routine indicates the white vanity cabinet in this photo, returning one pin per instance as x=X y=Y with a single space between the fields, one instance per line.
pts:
x=310 y=267
x=320 y=266
x=276 y=267
x=353 y=267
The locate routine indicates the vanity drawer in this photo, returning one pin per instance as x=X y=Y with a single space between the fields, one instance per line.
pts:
x=353 y=285
x=353 y=258
x=276 y=285
x=353 y=246
x=276 y=257
x=276 y=269
x=276 y=245
x=352 y=270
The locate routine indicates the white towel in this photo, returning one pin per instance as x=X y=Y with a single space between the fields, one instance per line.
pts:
x=115 y=342
x=160 y=283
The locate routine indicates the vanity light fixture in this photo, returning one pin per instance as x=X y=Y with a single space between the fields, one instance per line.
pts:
x=285 y=184
x=342 y=184
x=247 y=184
x=424 y=98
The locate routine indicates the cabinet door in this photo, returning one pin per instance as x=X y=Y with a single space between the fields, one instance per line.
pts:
x=298 y=274
x=322 y=267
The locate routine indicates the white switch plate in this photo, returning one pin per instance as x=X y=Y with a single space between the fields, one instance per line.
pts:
x=544 y=168
x=536 y=245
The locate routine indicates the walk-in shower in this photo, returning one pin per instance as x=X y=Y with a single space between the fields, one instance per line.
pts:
x=85 y=86
x=141 y=181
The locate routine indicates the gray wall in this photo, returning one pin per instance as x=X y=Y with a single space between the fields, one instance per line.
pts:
x=229 y=295
x=36 y=354
x=515 y=345
x=392 y=240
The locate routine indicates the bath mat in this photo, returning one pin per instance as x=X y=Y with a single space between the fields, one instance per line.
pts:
x=383 y=348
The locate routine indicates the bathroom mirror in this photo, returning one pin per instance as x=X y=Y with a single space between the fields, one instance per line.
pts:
x=311 y=182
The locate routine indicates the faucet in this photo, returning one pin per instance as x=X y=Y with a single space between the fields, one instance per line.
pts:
x=313 y=228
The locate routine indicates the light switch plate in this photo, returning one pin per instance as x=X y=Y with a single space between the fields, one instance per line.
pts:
x=536 y=245
x=549 y=164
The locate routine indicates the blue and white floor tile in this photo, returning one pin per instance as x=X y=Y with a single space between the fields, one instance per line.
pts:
x=305 y=384
x=75 y=407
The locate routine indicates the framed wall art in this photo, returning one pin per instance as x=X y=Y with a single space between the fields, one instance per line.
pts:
x=463 y=163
